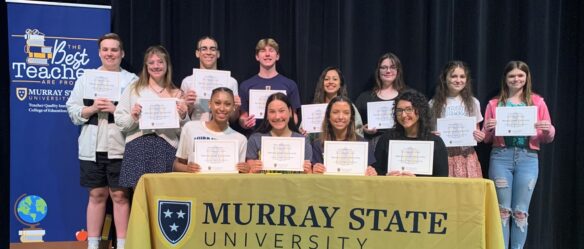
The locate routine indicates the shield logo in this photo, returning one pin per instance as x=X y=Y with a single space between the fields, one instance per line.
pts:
x=174 y=218
x=21 y=93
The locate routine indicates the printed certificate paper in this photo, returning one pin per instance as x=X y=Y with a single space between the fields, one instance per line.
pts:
x=207 y=80
x=312 y=117
x=158 y=113
x=102 y=84
x=380 y=114
x=457 y=131
x=345 y=158
x=414 y=156
x=216 y=156
x=516 y=121
x=283 y=153
x=257 y=101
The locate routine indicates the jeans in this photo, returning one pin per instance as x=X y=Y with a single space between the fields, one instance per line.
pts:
x=514 y=171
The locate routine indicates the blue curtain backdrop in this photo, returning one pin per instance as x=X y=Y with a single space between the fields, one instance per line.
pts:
x=547 y=34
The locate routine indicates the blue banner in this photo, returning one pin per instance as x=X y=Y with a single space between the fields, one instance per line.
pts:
x=50 y=44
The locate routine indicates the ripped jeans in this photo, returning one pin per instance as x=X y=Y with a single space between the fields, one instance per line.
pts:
x=514 y=171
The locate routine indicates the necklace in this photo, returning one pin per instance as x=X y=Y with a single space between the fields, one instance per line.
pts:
x=157 y=91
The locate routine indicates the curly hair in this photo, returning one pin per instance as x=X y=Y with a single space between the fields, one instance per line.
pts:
x=265 y=126
x=327 y=133
x=320 y=94
x=422 y=109
x=439 y=99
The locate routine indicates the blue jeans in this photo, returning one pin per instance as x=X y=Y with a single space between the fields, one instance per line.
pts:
x=514 y=171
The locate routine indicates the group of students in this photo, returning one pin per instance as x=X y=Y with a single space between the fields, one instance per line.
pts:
x=114 y=153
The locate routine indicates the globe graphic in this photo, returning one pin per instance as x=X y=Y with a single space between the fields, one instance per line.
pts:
x=31 y=209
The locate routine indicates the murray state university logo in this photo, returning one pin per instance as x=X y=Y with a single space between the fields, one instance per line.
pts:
x=174 y=219
x=21 y=93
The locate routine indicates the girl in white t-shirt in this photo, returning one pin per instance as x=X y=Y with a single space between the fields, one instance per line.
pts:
x=221 y=105
x=454 y=98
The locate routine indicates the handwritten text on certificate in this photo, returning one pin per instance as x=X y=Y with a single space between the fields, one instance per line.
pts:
x=457 y=131
x=158 y=113
x=101 y=84
x=312 y=117
x=380 y=114
x=414 y=156
x=257 y=101
x=516 y=121
x=345 y=158
x=283 y=153
x=216 y=156
x=207 y=80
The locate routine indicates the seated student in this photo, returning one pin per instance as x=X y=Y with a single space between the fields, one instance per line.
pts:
x=331 y=83
x=411 y=114
x=338 y=125
x=278 y=122
x=222 y=106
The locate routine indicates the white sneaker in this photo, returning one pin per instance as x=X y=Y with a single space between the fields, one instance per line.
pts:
x=93 y=247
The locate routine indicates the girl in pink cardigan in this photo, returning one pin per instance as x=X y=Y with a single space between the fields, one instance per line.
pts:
x=514 y=159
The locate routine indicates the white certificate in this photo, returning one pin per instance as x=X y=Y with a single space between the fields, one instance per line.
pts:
x=380 y=114
x=207 y=80
x=345 y=158
x=283 y=153
x=257 y=101
x=516 y=121
x=312 y=117
x=414 y=156
x=101 y=84
x=216 y=156
x=158 y=113
x=457 y=131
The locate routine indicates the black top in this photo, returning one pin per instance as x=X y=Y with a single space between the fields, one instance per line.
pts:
x=440 y=167
x=361 y=104
x=318 y=150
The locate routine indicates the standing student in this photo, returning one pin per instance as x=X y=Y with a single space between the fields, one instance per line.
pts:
x=514 y=161
x=222 y=106
x=412 y=122
x=454 y=98
x=338 y=125
x=101 y=145
x=268 y=78
x=331 y=84
x=389 y=82
x=208 y=53
x=278 y=122
x=149 y=151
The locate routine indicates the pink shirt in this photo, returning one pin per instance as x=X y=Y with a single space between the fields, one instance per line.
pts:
x=534 y=141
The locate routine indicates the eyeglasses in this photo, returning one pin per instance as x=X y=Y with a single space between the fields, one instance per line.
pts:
x=386 y=68
x=408 y=110
x=205 y=49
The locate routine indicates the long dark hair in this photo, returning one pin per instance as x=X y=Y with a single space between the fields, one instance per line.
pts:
x=439 y=99
x=421 y=107
x=320 y=94
x=399 y=83
x=265 y=126
x=526 y=95
x=327 y=133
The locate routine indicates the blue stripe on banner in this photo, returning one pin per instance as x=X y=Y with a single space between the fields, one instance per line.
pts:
x=49 y=48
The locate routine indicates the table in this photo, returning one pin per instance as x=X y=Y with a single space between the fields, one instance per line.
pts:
x=313 y=211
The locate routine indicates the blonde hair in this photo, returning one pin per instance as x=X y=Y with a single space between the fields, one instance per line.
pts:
x=263 y=43
x=145 y=76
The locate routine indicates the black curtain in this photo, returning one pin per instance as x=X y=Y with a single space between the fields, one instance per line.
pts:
x=313 y=34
